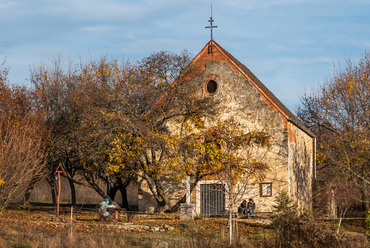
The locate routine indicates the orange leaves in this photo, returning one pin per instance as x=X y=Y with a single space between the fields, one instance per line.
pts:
x=338 y=112
x=23 y=139
x=320 y=157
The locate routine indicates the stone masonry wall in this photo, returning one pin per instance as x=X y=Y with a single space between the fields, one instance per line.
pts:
x=300 y=166
x=239 y=98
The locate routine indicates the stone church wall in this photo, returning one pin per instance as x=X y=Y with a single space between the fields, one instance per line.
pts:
x=238 y=98
x=242 y=101
x=300 y=166
x=290 y=156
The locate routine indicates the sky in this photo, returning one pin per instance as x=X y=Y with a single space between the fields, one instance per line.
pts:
x=290 y=45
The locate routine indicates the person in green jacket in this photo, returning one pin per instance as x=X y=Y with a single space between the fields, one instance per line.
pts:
x=103 y=209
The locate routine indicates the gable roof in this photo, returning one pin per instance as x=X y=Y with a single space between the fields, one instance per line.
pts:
x=260 y=87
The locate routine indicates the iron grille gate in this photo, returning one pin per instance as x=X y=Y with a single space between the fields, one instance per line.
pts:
x=212 y=200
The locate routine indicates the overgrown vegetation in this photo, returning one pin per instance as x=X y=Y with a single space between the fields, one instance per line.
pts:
x=23 y=140
x=96 y=118
x=367 y=221
x=112 y=121
x=338 y=112
x=298 y=228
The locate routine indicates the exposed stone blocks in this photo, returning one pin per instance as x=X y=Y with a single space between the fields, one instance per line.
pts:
x=187 y=211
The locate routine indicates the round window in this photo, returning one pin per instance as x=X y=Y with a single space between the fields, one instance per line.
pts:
x=211 y=86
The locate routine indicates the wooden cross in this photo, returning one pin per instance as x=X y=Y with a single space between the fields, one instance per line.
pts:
x=58 y=171
x=187 y=185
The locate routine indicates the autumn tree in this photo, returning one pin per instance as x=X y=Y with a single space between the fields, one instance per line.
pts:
x=172 y=155
x=132 y=90
x=109 y=91
x=338 y=112
x=174 y=123
x=236 y=158
x=108 y=147
x=180 y=143
x=164 y=68
x=57 y=95
x=21 y=155
x=23 y=140
x=102 y=116
x=74 y=94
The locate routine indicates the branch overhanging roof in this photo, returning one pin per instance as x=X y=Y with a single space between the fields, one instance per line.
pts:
x=275 y=101
x=259 y=85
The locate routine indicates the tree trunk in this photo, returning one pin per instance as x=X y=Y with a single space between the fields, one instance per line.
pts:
x=158 y=193
x=91 y=182
x=162 y=199
x=161 y=207
x=73 y=192
x=333 y=205
x=51 y=180
x=230 y=228
x=29 y=189
x=365 y=190
x=124 y=202
x=112 y=192
x=175 y=208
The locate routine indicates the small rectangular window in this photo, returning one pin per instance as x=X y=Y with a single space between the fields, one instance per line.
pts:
x=266 y=189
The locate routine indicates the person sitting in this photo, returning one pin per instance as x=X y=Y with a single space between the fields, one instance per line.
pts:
x=242 y=208
x=251 y=206
x=103 y=209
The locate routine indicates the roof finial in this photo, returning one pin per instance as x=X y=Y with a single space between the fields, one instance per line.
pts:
x=211 y=26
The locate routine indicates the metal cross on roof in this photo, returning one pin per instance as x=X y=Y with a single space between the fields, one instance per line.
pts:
x=211 y=26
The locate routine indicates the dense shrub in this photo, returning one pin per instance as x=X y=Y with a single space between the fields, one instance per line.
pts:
x=294 y=228
x=367 y=222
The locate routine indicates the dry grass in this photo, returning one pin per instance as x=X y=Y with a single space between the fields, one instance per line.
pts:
x=39 y=230
x=33 y=228
x=47 y=239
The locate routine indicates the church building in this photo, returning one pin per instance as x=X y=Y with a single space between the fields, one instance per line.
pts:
x=245 y=98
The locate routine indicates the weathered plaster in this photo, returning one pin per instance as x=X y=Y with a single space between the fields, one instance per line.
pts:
x=290 y=157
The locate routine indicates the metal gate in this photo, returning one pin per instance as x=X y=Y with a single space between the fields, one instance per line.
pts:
x=212 y=200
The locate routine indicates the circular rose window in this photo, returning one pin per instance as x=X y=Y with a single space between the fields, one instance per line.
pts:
x=211 y=86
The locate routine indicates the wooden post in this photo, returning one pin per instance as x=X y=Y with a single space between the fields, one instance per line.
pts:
x=116 y=215
x=58 y=171
x=58 y=197
x=71 y=221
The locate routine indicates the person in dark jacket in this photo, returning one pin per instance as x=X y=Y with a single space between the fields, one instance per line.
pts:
x=251 y=206
x=242 y=209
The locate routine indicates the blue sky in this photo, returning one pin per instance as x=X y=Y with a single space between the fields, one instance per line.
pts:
x=290 y=45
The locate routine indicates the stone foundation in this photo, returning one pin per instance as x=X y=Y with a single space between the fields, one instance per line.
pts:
x=187 y=211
